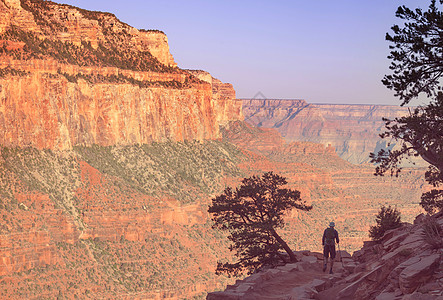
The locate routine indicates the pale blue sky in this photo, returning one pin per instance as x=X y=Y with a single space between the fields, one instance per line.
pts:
x=322 y=51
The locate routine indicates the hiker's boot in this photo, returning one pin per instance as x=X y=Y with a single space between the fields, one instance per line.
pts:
x=324 y=267
x=330 y=271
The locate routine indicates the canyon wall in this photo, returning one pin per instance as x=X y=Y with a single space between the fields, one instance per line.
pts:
x=71 y=24
x=108 y=156
x=340 y=191
x=353 y=130
x=226 y=106
x=74 y=77
x=47 y=112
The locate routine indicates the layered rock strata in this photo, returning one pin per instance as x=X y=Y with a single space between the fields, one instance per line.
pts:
x=111 y=222
x=66 y=23
x=227 y=107
x=52 y=113
x=131 y=221
x=119 y=221
x=74 y=77
x=353 y=130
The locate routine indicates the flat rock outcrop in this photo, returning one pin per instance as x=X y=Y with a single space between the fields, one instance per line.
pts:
x=405 y=264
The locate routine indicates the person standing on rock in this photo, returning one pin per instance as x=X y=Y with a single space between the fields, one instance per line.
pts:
x=328 y=241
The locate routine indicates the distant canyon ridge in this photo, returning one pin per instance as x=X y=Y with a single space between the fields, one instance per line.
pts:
x=353 y=130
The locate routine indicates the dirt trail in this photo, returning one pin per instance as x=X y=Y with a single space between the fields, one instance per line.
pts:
x=281 y=287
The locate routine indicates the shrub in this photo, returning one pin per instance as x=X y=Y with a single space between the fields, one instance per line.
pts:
x=433 y=233
x=387 y=218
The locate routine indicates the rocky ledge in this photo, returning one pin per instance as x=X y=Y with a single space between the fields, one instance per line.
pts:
x=404 y=265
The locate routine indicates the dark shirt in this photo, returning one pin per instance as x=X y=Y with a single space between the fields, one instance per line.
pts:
x=335 y=237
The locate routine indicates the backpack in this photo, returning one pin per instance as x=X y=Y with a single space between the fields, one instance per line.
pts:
x=330 y=236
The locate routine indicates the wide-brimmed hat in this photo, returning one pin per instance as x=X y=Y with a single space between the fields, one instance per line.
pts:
x=332 y=224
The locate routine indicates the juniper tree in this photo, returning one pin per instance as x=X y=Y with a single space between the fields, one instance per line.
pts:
x=251 y=214
x=387 y=218
x=417 y=62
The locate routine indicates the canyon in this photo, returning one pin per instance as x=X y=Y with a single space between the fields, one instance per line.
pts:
x=132 y=221
x=110 y=154
x=353 y=130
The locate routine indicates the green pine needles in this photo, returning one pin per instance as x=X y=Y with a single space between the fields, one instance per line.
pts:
x=251 y=214
x=387 y=218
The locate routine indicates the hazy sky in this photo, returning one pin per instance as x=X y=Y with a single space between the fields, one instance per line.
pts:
x=322 y=51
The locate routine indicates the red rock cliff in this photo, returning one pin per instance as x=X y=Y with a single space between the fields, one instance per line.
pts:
x=226 y=106
x=70 y=76
x=353 y=130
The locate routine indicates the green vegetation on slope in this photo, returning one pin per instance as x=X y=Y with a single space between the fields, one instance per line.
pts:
x=40 y=170
x=169 y=167
x=107 y=55
x=168 y=257
x=156 y=170
x=120 y=78
x=10 y=71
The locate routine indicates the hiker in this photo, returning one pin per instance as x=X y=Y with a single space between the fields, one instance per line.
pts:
x=328 y=241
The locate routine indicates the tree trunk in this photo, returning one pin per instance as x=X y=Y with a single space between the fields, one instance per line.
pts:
x=284 y=245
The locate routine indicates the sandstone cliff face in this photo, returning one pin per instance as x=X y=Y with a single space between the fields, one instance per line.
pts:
x=111 y=222
x=53 y=113
x=74 y=77
x=79 y=218
x=14 y=14
x=155 y=42
x=353 y=130
x=226 y=106
x=131 y=221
